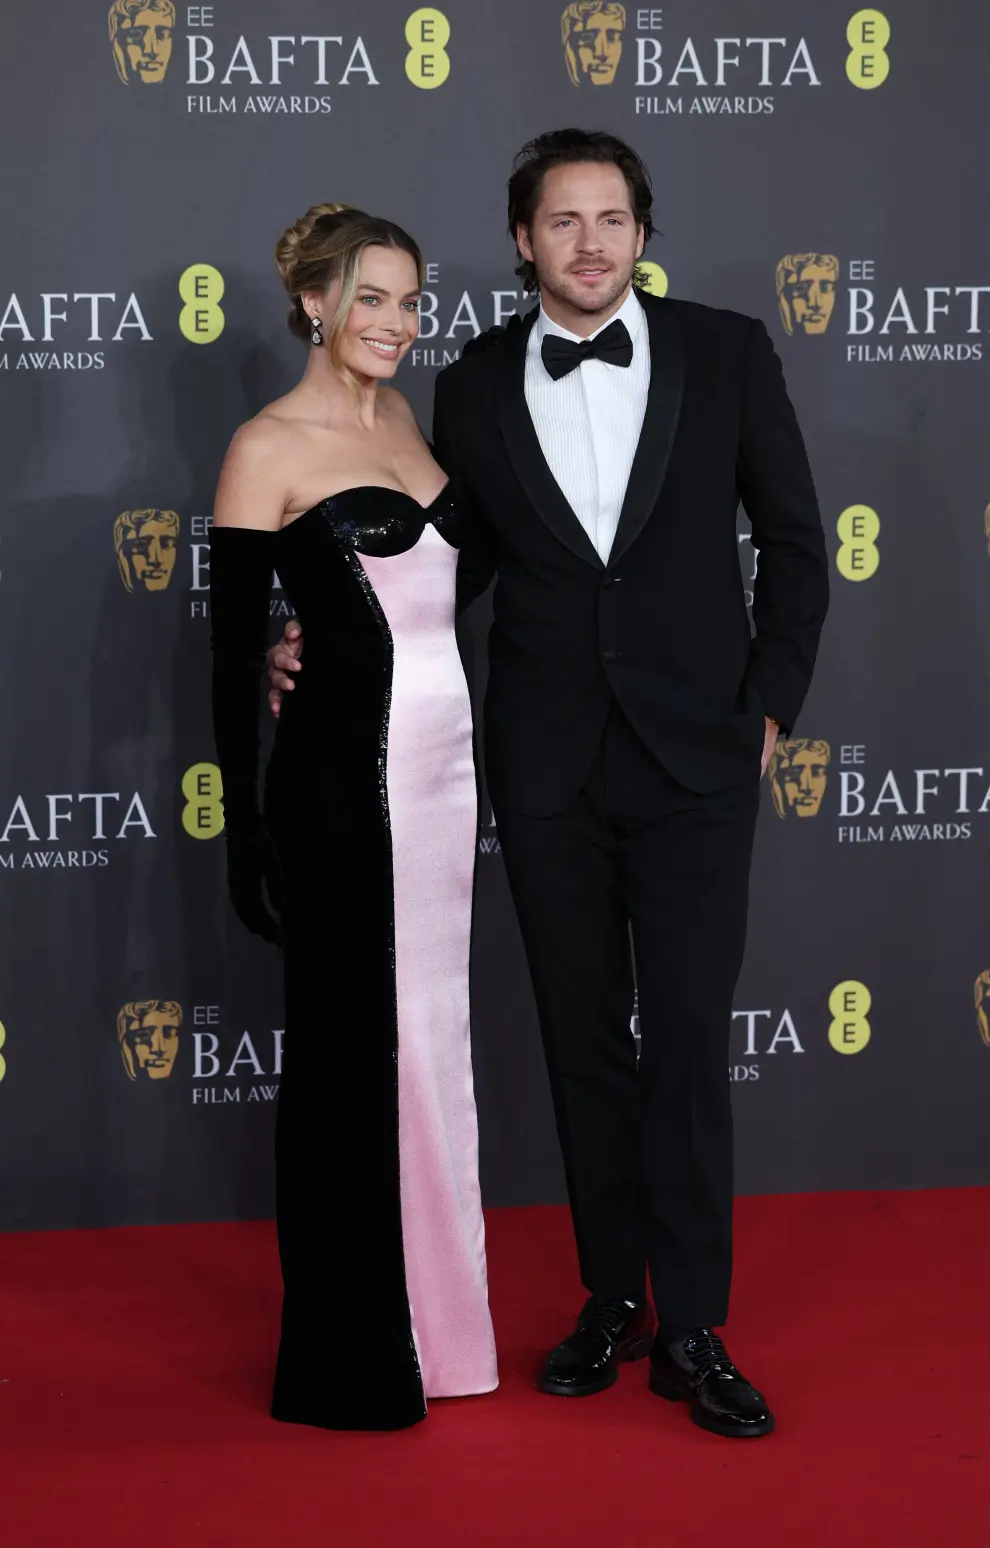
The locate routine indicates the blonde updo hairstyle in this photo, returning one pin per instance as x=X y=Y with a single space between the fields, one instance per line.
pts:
x=326 y=245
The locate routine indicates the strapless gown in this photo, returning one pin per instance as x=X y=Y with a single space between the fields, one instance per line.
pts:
x=370 y=798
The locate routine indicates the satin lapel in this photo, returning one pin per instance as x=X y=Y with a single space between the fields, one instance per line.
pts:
x=663 y=408
x=525 y=453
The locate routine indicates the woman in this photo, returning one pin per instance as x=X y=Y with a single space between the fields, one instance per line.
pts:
x=366 y=845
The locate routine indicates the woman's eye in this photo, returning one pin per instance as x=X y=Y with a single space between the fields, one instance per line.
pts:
x=370 y=300
x=411 y=306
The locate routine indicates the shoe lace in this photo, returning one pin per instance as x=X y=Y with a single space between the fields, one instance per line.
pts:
x=708 y=1353
x=609 y=1314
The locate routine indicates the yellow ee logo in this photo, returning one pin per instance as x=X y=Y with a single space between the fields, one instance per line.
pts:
x=858 y=528
x=656 y=278
x=201 y=288
x=868 y=34
x=3 y=1062
x=849 y=1003
x=427 y=62
x=202 y=815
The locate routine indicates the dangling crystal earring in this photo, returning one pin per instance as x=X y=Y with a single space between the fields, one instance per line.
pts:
x=316 y=331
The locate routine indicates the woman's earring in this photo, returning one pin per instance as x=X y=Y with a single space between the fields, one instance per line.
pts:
x=316 y=331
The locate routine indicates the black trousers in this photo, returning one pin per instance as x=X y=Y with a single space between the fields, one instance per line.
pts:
x=647 y=1147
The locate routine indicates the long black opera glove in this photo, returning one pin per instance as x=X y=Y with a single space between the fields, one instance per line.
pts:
x=242 y=560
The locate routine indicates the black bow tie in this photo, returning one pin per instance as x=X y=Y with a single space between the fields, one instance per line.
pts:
x=613 y=345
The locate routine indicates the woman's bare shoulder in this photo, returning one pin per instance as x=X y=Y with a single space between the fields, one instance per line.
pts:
x=274 y=434
x=256 y=474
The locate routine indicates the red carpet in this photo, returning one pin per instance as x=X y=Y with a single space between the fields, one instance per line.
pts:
x=134 y=1369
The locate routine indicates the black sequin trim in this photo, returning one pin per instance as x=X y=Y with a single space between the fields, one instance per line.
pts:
x=381 y=535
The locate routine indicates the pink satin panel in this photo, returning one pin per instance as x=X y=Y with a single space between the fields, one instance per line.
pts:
x=432 y=810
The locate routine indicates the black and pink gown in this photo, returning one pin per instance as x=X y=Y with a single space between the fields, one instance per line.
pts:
x=370 y=799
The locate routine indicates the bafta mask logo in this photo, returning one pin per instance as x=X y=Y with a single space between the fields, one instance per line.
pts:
x=141 y=39
x=986 y=526
x=591 y=31
x=798 y=776
x=806 y=291
x=981 y=995
x=146 y=543
x=148 y=1034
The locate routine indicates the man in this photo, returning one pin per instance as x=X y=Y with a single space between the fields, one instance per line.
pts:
x=604 y=443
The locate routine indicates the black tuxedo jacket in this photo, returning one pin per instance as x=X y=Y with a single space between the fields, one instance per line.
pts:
x=662 y=627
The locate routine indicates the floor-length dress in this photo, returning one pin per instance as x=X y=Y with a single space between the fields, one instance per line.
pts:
x=371 y=801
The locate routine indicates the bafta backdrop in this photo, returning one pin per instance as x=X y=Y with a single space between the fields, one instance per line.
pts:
x=814 y=165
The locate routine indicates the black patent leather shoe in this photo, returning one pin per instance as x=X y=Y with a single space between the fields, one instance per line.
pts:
x=722 y=1400
x=607 y=1333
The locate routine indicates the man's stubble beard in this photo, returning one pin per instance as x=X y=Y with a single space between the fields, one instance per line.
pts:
x=562 y=292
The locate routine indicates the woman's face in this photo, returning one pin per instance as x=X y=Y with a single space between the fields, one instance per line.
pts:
x=384 y=320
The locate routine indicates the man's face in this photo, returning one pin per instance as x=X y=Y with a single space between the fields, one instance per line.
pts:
x=584 y=240
x=804 y=779
x=153 y=1046
x=812 y=297
x=596 y=47
x=147 y=47
x=151 y=554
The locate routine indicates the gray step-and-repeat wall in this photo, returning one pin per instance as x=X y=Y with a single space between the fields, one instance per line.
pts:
x=820 y=167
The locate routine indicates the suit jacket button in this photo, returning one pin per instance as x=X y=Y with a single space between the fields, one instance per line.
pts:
x=612 y=655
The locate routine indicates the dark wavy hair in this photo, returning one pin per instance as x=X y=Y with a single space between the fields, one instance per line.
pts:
x=561 y=147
